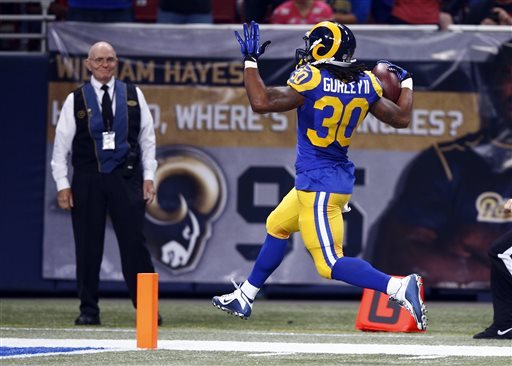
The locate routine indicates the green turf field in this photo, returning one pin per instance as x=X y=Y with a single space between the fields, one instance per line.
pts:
x=274 y=325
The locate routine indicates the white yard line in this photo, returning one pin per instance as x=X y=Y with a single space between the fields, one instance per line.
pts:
x=282 y=334
x=270 y=347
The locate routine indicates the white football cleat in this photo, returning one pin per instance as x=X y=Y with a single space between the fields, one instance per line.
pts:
x=409 y=297
x=236 y=303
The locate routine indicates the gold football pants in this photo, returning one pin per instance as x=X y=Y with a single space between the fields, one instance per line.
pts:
x=318 y=216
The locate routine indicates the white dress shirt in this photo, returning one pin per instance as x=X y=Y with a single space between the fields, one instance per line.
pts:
x=66 y=129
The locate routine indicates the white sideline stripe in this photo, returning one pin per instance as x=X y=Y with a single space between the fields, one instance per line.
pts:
x=265 y=347
x=282 y=334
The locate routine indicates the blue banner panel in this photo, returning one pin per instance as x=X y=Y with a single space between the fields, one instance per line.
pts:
x=192 y=79
x=24 y=110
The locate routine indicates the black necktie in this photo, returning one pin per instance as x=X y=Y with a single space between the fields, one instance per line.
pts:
x=106 y=108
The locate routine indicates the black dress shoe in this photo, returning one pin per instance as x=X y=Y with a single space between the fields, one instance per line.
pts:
x=87 y=320
x=160 y=320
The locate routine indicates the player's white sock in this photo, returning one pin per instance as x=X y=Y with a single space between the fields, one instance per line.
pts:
x=394 y=285
x=249 y=290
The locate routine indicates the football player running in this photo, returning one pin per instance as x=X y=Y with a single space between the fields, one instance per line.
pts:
x=332 y=94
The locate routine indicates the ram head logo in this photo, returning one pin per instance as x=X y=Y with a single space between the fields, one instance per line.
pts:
x=190 y=195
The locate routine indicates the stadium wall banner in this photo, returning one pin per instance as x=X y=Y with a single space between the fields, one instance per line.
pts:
x=232 y=165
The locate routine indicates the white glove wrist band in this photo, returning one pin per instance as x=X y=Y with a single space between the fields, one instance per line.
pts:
x=250 y=64
x=407 y=83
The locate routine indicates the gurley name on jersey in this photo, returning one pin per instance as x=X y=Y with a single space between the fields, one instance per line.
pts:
x=309 y=78
x=337 y=86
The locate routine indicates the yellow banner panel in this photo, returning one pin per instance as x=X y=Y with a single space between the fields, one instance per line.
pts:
x=222 y=117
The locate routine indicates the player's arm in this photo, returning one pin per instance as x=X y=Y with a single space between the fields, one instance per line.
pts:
x=274 y=99
x=397 y=115
x=262 y=98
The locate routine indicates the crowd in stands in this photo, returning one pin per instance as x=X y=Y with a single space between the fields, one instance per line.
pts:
x=438 y=12
x=442 y=13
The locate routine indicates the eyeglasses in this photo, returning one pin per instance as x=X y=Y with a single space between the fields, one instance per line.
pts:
x=101 y=60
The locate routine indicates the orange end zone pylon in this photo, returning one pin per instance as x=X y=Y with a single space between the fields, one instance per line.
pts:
x=147 y=310
x=377 y=313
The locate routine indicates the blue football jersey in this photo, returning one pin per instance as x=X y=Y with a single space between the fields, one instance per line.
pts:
x=326 y=123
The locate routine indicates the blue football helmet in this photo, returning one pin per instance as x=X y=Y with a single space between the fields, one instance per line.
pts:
x=327 y=42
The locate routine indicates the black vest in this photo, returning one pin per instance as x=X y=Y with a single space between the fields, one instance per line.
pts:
x=87 y=151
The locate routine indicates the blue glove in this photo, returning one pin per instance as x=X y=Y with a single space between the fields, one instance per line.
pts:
x=250 y=45
x=399 y=71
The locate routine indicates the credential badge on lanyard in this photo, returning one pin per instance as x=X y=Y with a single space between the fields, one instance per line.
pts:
x=109 y=140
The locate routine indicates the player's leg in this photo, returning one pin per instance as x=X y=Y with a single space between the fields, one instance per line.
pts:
x=280 y=224
x=321 y=227
x=501 y=289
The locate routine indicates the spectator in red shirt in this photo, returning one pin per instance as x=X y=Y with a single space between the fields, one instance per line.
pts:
x=301 y=12
x=416 y=12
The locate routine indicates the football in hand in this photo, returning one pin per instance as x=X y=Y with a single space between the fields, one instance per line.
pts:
x=389 y=81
